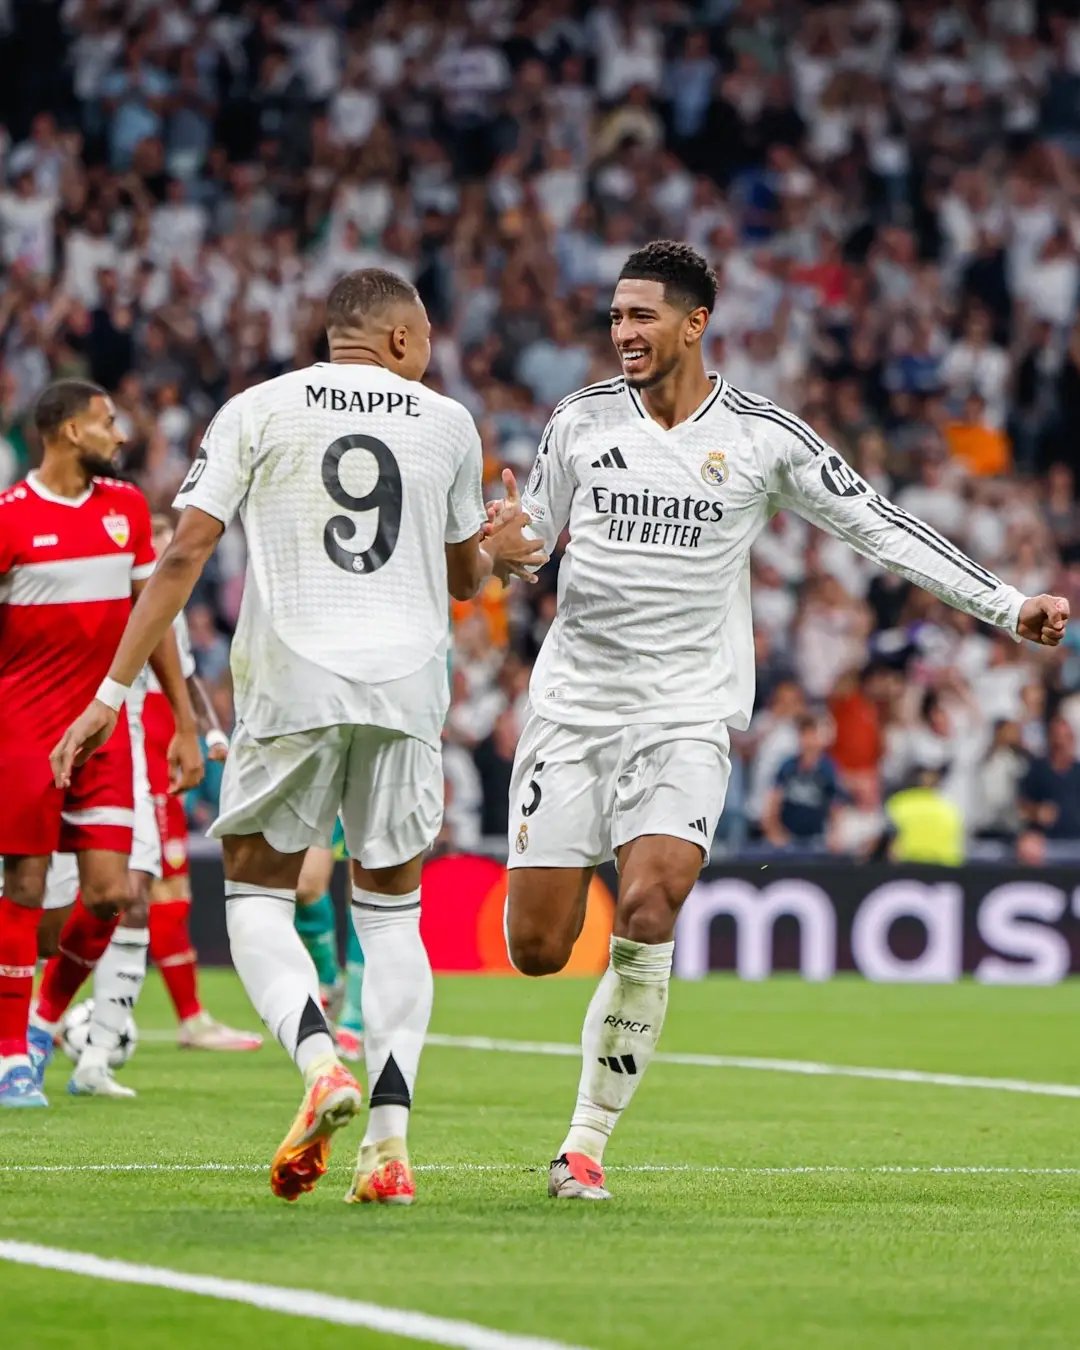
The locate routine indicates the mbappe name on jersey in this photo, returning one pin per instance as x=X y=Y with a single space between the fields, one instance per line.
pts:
x=362 y=401
x=648 y=518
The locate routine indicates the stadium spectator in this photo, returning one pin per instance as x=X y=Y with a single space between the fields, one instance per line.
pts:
x=925 y=826
x=1050 y=791
x=802 y=808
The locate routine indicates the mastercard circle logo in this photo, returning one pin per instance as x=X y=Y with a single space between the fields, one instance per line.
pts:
x=462 y=919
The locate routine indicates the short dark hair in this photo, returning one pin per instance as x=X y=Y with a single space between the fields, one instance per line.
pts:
x=684 y=274
x=62 y=400
x=366 y=292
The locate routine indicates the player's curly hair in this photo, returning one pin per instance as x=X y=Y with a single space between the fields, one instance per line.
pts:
x=685 y=275
x=62 y=400
x=361 y=294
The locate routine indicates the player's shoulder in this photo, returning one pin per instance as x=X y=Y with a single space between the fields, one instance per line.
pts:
x=765 y=420
x=118 y=495
x=451 y=410
x=117 y=487
x=606 y=397
x=17 y=496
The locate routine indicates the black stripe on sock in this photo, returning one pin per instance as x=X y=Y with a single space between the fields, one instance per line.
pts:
x=391 y=1089
x=312 y=1022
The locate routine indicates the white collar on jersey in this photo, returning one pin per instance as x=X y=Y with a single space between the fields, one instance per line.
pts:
x=710 y=401
x=35 y=484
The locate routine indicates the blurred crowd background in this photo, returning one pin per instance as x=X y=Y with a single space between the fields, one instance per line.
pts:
x=889 y=192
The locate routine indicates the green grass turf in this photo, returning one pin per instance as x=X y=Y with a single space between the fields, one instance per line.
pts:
x=680 y=1259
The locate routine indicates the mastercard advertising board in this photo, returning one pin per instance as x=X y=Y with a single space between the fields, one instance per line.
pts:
x=462 y=919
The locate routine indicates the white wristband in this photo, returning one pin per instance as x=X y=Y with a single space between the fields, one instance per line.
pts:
x=112 y=693
x=214 y=738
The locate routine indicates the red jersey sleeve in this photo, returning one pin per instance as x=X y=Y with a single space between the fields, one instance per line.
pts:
x=8 y=532
x=141 y=539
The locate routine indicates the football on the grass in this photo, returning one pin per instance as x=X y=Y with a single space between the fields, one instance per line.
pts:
x=76 y=1028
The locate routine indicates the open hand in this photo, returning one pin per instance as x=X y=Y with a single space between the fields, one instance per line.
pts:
x=89 y=732
x=1043 y=619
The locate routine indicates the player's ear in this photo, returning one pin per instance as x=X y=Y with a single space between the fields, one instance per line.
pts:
x=696 y=323
x=399 y=341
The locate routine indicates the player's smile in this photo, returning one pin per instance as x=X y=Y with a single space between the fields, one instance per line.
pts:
x=634 y=358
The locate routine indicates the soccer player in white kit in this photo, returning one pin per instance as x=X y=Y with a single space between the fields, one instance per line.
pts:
x=360 y=495
x=665 y=476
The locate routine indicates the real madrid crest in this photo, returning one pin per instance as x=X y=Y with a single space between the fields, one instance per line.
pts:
x=715 y=470
x=521 y=843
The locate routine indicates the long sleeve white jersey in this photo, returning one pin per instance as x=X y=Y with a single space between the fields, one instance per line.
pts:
x=349 y=481
x=653 y=621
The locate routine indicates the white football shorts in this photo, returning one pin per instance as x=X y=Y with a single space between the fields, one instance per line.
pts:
x=577 y=794
x=62 y=881
x=387 y=787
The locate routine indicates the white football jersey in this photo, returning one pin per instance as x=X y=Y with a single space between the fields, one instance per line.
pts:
x=349 y=481
x=653 y=620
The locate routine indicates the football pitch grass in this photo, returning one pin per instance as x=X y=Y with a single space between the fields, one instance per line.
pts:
x=753 y=1253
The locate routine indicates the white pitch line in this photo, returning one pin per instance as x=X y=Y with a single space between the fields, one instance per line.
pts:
x=888 y=1169
x=346 y=1312
x=799 y=1066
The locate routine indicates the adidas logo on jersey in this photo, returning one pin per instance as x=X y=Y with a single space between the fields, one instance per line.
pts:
x=610 y=459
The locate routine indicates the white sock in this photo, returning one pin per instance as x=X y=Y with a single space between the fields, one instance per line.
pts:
x=622 y=1027
x=275 y=969
x=396 y=1003
x=118 y=980
x=9 y=1062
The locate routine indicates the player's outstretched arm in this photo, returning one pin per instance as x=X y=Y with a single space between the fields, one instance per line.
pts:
x=162 y=598
x=814 y=480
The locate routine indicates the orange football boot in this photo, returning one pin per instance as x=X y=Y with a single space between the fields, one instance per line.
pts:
x=329 y=1103
x=383 y=1175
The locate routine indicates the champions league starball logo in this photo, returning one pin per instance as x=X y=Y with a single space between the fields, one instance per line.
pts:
x=536 y=478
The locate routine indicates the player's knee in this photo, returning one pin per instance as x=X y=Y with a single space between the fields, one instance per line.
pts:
x=647 y=910
x=137 y=913
x=107 y=898
x=26 y=890
x=537 y=953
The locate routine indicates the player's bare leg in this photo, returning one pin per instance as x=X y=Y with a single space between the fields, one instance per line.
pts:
x=397 y=995
x=624 y=1019
x=282 y=983
x=20 y=920
x=104 y=893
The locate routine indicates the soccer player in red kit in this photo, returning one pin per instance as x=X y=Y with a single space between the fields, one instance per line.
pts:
x=75 y=548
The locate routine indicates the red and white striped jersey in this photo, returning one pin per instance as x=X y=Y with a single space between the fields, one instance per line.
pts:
x=66 y=570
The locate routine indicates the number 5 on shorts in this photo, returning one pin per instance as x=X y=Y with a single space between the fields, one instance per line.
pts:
x=535 y=793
